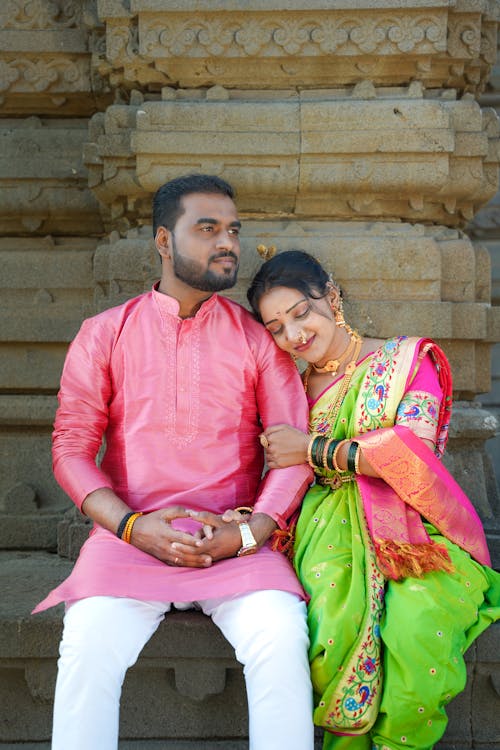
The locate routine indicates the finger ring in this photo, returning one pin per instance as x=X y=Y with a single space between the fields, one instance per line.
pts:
x=264 y=441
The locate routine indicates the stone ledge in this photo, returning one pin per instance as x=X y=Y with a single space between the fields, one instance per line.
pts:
x=183 y=682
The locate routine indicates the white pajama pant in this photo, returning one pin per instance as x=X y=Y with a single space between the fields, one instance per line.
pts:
x=103 y=637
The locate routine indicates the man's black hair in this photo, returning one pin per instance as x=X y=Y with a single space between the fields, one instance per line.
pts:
x=167 y=200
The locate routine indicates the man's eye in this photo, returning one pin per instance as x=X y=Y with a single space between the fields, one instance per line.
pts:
x=234 y=231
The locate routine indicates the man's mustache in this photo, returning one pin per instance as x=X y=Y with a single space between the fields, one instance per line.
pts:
x=225 y=254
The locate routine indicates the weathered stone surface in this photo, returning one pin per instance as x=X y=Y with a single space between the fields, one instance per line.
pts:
x=397 y=278
x=152 y=706
x=43 y=179
x=320 y=43
x=47 y=287
x=31 y=367
x=45 y=58
x=410 y=157
x=348 y=113
x=26 y=480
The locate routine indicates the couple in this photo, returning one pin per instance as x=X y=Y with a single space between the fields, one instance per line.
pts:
x=186 y=385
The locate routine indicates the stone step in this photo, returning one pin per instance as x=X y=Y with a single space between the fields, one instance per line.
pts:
x=186 y=690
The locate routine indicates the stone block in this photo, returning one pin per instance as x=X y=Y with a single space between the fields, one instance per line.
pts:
x=45 y=59
x=43 y=179
x=469 y=320
x=467 y=460
x=31 y=502
x=72 y=532
x=462 y=358
x=483 y=273
x=298 y=154
x=458 y=271
x=381 y=319
x=493 y=324
x=47 y=287
x=26 y=459
x=154 y=713
x=31 y=367
x=265 y=45
x=396 y=278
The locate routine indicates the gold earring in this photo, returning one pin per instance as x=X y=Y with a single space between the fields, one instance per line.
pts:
x=338 y=314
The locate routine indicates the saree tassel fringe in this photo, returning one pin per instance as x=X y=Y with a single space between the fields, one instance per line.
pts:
x=399 y=560
x=283 y=541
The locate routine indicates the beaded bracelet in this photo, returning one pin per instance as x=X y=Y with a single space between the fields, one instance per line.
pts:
x=351 y=456
x=122 y=524
x=127 y=533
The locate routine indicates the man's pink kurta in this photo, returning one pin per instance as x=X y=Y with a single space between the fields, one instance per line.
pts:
x=181 y=404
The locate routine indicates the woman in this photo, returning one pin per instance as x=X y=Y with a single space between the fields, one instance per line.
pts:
x=395 y=601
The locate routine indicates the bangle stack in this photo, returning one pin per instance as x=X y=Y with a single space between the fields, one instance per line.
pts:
x=322 y=453
x=124 y=530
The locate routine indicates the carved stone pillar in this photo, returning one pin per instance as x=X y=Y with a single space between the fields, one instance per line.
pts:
x=49 y=222
x=354 y=133
x=351 y=128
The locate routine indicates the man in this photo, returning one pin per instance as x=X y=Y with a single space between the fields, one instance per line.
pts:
x=181 y=381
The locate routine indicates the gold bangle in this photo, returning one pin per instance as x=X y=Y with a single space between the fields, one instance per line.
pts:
x=309 y=449
x=335 y=453
x=245 y=510
x=356 y=460
x=127 y=532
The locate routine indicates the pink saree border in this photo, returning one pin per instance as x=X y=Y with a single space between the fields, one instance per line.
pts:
x=415 y=483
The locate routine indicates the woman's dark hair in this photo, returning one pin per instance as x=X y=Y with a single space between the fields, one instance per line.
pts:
x=167 y=200
x=294 y=269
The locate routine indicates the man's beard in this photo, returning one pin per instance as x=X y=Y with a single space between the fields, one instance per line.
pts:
x=192 y=273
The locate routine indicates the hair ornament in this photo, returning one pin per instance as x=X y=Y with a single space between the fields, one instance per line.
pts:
x=266 y=253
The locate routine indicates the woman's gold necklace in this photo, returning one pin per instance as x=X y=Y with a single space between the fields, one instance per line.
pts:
x=329 y=418
x=333 y=365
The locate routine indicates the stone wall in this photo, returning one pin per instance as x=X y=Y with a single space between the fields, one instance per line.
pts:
x=364 y=131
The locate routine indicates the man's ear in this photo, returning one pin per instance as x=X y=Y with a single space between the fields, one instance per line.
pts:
x=163 y=242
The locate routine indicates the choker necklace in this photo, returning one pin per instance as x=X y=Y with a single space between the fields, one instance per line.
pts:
x=333 y=365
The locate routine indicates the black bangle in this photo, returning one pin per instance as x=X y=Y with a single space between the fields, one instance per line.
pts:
x=331 y=450
x=351 y=456
x=317 y=451
x=122 y=524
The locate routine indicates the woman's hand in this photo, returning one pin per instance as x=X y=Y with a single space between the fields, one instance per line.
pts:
x=287 y=446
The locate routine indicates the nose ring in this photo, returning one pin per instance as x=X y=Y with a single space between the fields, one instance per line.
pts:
x=303 y=337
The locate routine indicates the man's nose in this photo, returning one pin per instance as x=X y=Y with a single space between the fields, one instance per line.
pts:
x=226 y=240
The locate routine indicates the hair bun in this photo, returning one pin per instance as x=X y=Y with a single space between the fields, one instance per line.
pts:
x=266 y=253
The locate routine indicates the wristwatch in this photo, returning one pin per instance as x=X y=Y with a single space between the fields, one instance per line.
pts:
x=248 y=543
